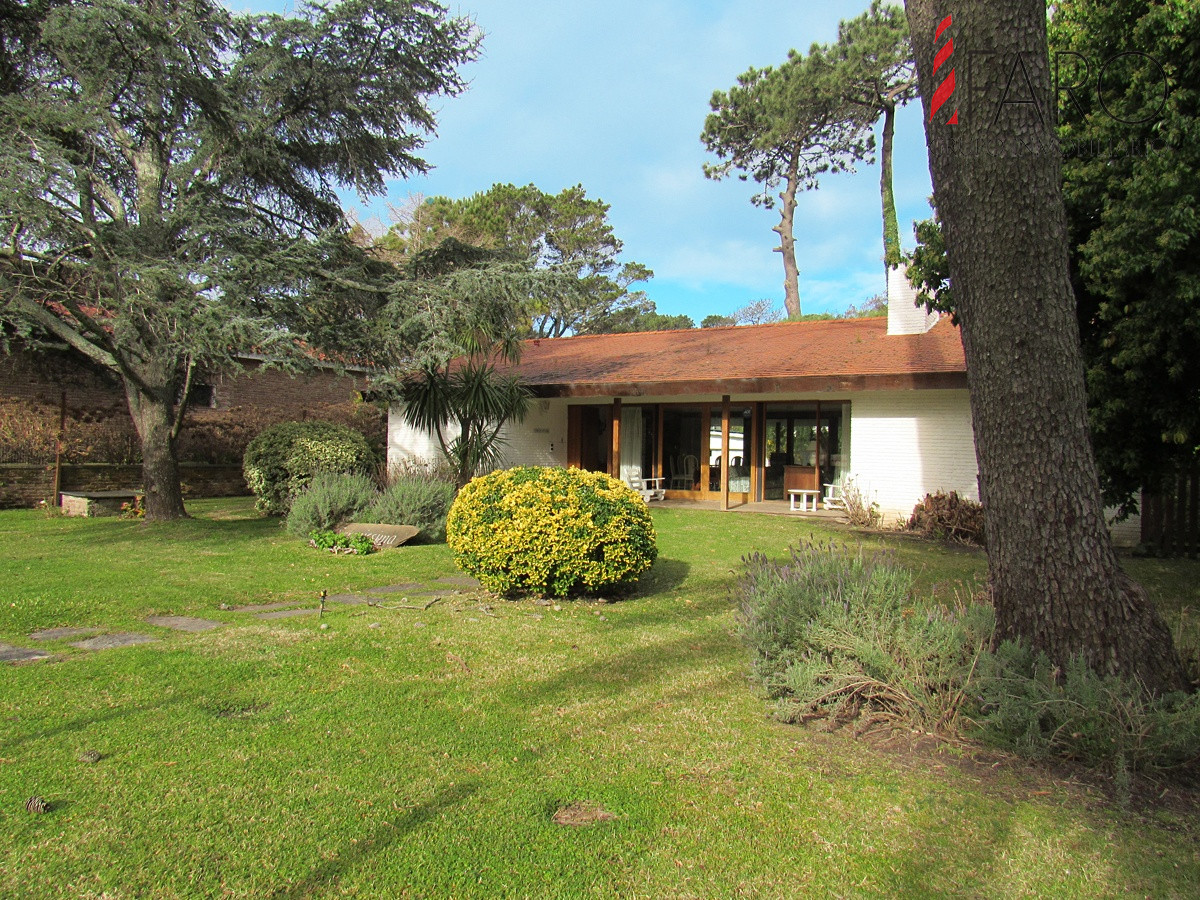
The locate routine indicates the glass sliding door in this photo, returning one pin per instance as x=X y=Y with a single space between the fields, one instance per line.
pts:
x=802 y=447
x=740 y=423
x=681 y=447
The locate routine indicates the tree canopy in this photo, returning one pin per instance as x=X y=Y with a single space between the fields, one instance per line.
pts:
x=168 y=175
x=1129 y=107
x=568 y=233
x=784 y=127
x=878 y=74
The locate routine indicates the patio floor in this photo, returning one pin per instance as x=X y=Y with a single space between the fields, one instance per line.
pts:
x=769 y=507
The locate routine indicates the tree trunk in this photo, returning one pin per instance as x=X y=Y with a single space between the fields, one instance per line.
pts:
x=787 y=238
x=997 y=181
x=152 y=416
x=891 y=227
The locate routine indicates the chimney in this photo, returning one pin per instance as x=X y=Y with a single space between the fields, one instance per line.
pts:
x=905 y=315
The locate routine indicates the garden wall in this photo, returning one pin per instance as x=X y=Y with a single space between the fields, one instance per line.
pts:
x=52 y=400
x=28 y=484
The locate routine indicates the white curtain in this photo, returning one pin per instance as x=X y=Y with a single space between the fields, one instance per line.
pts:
x=631 y=442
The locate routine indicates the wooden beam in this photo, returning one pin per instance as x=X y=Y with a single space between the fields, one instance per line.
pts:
x=658 y=454
x=756 y=454
x=614 y=464
x=818 y=457
x=725 y=452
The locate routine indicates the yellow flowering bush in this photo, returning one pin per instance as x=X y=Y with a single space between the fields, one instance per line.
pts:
x=550 y=531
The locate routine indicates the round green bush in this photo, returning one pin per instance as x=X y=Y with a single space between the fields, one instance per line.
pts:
x=282 y=460
x=551 y=531
x=329 y=502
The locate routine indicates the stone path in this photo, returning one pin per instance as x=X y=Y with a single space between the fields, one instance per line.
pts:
x=96 y=638
x=9 y=653
x=109 y=641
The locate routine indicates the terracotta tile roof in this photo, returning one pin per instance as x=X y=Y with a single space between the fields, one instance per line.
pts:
x=850 y=353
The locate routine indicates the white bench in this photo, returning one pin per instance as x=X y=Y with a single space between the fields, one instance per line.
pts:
x=806 y=496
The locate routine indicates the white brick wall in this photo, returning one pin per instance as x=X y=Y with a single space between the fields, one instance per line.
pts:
x=407 y=443
x=905 y=316
x=905 y=444
x=540 y=440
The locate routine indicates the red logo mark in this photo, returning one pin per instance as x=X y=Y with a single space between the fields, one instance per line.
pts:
x=946 y=89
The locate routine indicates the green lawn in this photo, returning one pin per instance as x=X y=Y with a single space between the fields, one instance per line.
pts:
x=410 y=753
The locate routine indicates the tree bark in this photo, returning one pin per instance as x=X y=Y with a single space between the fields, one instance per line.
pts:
x=152 y=407
x=787 y=238
x=996 y=174
x=891 y=226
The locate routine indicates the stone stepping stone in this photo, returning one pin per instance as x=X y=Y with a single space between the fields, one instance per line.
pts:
x=460 y=580
x=347 y=599
x=58 y=634
x=110 y=641
x=410 y=587
x=286 y=613
x=184 y=623
x=266 y=607
x=9 y=653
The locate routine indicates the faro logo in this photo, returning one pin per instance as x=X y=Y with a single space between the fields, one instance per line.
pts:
x=945 y=90
x=1130 y=87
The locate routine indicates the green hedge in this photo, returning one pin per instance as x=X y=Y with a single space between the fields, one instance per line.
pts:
x=282 y=460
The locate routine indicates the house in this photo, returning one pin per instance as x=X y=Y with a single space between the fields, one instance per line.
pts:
x=744 y=414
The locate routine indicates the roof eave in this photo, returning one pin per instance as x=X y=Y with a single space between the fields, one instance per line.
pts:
x=798 y=384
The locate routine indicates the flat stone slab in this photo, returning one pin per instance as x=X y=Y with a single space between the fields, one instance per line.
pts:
x=266 y=607
x=184 y=623
x=286 y=613
x=9 y=653
x=383 y=536
x=409 y=586
x=348 y=599
x=460 y=580
x=110 y=641
x=58 y=634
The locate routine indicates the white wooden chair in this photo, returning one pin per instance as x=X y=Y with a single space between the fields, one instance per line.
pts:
x=649 y=488
x=833 y=497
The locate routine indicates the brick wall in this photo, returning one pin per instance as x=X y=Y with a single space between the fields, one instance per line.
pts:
x=99 y=429
x=24 y=485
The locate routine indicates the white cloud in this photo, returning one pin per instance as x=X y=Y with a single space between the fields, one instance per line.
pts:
x=734 y=263
x=614 y=94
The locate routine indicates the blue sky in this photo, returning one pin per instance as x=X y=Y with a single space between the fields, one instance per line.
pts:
x=613 y=95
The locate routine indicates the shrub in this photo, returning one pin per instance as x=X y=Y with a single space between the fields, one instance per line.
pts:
x=282 y=460
x=354 y=544
x=412 y=500
x=860 y=509
x=329 y=502
x=838 y=635
x=551 y=531
x=944 y=516
x=1028 y=706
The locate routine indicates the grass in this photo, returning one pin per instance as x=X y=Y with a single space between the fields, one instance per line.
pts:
x=409 y=753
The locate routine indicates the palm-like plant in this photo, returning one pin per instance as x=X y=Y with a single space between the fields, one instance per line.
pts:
x=474 y=303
